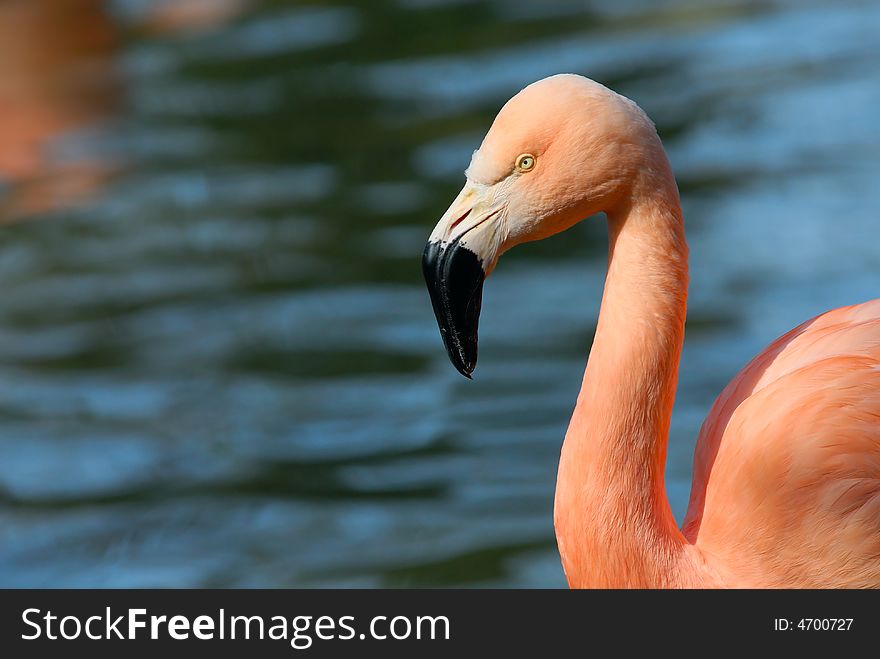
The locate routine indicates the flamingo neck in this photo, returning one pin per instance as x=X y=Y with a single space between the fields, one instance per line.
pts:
x=613 y=521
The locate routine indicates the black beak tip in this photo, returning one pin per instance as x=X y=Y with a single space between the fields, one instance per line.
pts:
x=464 y=367
x=461 y=349
x=454 y=276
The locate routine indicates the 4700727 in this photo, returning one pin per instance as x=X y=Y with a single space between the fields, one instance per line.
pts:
x=812 y=624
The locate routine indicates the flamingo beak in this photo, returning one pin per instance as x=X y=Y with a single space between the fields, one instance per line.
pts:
x=459 y=255
x=455 y=276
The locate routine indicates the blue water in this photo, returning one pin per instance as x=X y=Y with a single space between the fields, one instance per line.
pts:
x=218 y=364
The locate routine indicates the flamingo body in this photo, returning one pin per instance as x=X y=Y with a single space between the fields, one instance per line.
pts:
x=786 y=487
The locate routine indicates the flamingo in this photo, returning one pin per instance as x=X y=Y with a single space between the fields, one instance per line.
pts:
x=786 y=480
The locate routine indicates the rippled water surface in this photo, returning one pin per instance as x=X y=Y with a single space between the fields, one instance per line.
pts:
x=218 y=365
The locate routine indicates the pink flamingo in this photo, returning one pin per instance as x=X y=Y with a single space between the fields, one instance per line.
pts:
x=786 y=484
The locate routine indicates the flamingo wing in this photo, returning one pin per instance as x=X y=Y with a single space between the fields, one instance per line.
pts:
x=786 y=488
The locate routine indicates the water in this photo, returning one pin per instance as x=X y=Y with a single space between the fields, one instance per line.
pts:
x=218 y=364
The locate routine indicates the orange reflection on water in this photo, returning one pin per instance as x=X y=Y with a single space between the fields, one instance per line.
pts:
x=185 y=15
x=56 y=77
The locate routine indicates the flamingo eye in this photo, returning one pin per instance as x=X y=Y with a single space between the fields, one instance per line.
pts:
x=525 y=162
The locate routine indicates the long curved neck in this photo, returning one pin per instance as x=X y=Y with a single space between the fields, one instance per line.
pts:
x=613 y=521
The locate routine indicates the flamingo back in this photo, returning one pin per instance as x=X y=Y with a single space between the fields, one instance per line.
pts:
x=786 y=488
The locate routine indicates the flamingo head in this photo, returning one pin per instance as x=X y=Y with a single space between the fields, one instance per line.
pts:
x=562 y=149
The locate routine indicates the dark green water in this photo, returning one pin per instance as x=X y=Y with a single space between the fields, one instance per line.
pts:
x=218 y=364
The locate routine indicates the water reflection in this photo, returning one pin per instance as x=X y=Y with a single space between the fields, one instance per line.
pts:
x=56 y=79
x=219 y=366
